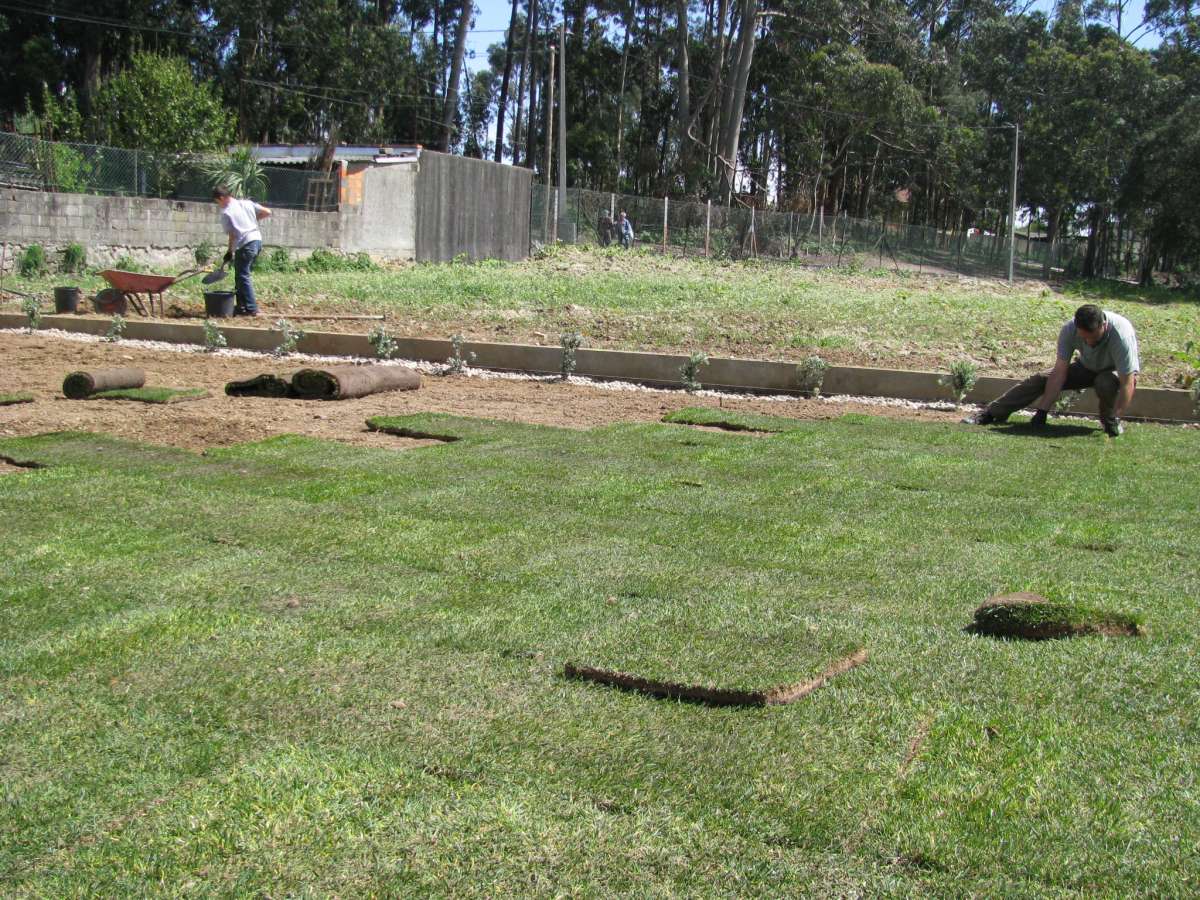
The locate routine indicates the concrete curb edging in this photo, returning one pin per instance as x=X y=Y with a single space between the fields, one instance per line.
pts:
x=655 y=369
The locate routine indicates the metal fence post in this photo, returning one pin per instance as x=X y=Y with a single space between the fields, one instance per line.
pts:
x=665 y=201
x=707 y=227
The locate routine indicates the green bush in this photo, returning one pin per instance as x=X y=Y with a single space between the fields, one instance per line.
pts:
x=277 y=260
x=74 y=258
x=204 y=252
x=127 y=263
x=961 y=379
x=32 y=263
x=322 y=260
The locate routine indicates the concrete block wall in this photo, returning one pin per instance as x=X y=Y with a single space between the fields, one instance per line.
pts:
x=156 y=231
x=379 y=215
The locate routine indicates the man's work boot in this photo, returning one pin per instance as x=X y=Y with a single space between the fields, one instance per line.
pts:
x=1113 y=427
x=1039 y=419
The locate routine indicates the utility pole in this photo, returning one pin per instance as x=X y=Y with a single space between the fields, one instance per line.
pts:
x=549 y=144
x=562 y=121
x=1012 y=203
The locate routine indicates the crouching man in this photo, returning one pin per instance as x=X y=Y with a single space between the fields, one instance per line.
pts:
x=1108 y=362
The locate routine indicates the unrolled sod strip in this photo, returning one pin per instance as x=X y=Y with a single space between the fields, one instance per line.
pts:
x=348 y=382
x=80 y=385
x=775 y=696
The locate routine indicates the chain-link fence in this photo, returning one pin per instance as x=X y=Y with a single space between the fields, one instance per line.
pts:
x=707 y=229
x=34 y=164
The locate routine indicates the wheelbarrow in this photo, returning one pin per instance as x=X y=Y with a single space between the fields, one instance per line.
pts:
x=135 y=289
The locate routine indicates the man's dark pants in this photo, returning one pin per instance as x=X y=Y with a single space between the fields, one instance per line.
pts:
x=243 y=261
x=1079 y=377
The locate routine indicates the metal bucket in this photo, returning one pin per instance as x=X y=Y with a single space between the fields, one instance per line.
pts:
x=66 y=299
x=219 y=304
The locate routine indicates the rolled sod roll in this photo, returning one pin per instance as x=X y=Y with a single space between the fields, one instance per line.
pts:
x=347 y=382
x=81 y=385
x=266 y=385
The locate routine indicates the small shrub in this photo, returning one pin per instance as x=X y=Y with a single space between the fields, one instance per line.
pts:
x=1190 y=355
x=204 y=252
x=74 y=258
x=115 y=329
x=214 y=340
x=322 y=260
x=961 y=379
x=690 y=369
x=570 y=342
x=1066 y=400
x=384 y=344
x=810 y=374
x=127 y=263
x=290 y=336
x=32 y=263
x=32 y=307
x=278 y=260
x=456 y=364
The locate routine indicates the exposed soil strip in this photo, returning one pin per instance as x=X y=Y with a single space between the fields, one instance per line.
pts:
x=776 y=696
x=7 y=463
x=348 y=382
x=404 y=431
x=80 y=385
x=915 y=745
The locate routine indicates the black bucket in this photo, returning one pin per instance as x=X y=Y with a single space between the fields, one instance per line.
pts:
x=219 y=304
x=66 y=299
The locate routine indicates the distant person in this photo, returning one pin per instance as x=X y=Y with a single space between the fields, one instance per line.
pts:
x=1108 y=362
x=625 y=230
x=605 y=231
x=239 y=219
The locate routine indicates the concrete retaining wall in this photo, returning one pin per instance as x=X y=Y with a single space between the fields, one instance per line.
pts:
x=383 y=220
x=471 y=206
x=645 y=368
x=157 y=231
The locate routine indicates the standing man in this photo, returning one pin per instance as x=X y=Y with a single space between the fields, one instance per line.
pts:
x=239 y=219
x=1108 y=362
x=625 y=230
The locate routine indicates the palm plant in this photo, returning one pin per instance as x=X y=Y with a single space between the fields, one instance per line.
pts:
x=239 y=173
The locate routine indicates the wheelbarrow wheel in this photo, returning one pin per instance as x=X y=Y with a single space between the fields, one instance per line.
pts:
x=111 y=302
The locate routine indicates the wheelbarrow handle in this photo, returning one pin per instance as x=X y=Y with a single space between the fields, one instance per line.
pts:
x=188 y=273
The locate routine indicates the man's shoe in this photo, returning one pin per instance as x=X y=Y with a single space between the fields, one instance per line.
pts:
x=983 y=417
x=1039 y=419
x=1113 y=427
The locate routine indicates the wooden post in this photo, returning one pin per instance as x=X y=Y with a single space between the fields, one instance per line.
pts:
x=707 y=227
x=664 y=224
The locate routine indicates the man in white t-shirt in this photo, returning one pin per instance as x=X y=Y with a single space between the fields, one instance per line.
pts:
x=239 y=219
x=1108 y=362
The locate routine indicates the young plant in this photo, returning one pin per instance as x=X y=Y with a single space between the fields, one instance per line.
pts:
x=1066 y=400
x=74 y=258
x=570 y=342
x=126 y=263
x=690 y=369
x=204 y=252
x=961 y=379
x=1190 y=354
x=384 y=344
x=214 y=340
x=290 y=337
x=115 y=329
x=810 y=374
x=32 y=263
x=456 y=364
x=32 y=308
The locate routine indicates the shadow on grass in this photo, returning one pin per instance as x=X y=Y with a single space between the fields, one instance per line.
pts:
x=1110 y=289
x=1024 y=429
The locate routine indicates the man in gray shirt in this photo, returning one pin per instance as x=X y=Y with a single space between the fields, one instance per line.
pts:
x=1108 y=362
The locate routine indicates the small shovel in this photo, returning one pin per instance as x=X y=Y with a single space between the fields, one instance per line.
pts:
x=214 y=276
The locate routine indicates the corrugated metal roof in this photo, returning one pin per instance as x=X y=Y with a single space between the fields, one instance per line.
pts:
x=296 y=154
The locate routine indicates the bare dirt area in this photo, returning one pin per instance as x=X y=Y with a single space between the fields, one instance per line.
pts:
x=38 y=362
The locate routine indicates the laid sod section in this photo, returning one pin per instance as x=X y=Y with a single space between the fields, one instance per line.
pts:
x=13 y=399
x=153 y=394
x=300 y=667
x=449 y=428
x=729 y=420
x=1034 y=618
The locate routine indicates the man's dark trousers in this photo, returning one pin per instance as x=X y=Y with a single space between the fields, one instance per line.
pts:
x=1079 y=377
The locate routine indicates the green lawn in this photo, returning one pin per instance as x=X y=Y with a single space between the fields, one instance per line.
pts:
x=301 y=668
x=758 y=309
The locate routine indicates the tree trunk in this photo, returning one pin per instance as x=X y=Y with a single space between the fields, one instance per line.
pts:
x=621 y=96
x=731 y=120
x=531 y=144
x=460 y=51
x=503 y=103
x=518 y=143
x=684 y=108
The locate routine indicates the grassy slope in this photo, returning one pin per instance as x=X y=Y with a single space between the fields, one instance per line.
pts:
x=643 y=301
x=310 y=668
